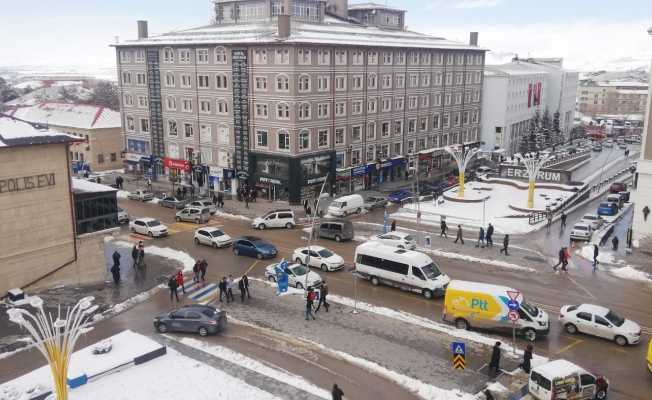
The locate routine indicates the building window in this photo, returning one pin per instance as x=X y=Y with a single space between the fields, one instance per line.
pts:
x=449 y=78
x=282 y=83
x=323 y=110
x=304 y=111
x=172 y=128
x=449 y=59
x=340 y=109
x=414 y=80
x=125 y=56
x=412 y=126
x=387 y=104
x=185 y=80
x=410 y=146
x=188 y=130
x=202 y=56
x=141 y=79
x=142 y=101
x=355 y=157
x=282 y=111
x=282 y=56
x=261 y=138
x=340 y=83
x=400 y=58
x=130 y=123
x=458 y=98
x=457 y=119
x=387 y=81
x=357 y=57
x=222 y=107
x=356 y=134
x=439 y=77
x=113 y=156
x=283 y=140
x=205 y=135
x=460 y=59
x=423 y=124
x=384 y=151
x=446 y=120
x=425 y=58
x=304 y=83
x=340 y=57
x=372 y=58
x=357 y=82
x=399 y=103
x=384 y=129
x=425 y=100
x=304 y=140
x=202 y=81
x=436 y=121
x=168 y=55
x=339 y=159
x=261 y=110
x=447 y=99
x=184 y=56
x=465 y=118
x=261 y=83
x=397 y=149
x=100 y=158
x=387 y=58
x=414 y=58
x=425 y=80
x=205 y=106
x=371 y=153
x=398 y=127
x=339 y=136
x=221 y=81
x=356 y=107
x=459 y=78
x=304 y=57
x=439 y=58
x=323 y=57
x=169 y=79
x=412 y=102
x=144 y=125
x=223 y=134
x=371 y=131
x=371 y=106
x=260 y=56
x=186 y=105
x=323 y=83
x=322 y=138
x=371 y=81
x=128 y=99
x=126 y=78
x=220 y=55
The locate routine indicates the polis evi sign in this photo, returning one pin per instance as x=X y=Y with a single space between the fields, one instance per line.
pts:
x=24 y=183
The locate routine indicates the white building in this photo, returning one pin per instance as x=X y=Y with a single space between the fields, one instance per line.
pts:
x=513 y=93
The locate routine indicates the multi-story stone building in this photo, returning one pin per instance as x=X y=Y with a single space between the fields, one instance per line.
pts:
x=280 y=94
x=612 y=98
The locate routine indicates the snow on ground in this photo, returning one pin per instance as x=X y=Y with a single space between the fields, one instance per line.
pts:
x=496 y=209
x=223 y=214
x=631 y=273
x=254 y=365
x=122 y=194
x=184 y=258
x=604 y=257
x=171 y=376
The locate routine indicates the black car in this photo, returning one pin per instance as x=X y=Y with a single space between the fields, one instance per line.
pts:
x=193 y=318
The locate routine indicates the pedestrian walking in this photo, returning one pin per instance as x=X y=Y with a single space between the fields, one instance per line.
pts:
x=305 y=206
x=614 y=243
x=115 y=269
x=527 y=359
x=494 y=364
x=214 y=198
x=564 y=265
x=195 y=272
x=459 y=234
x=134 y=255
x=646 y=212
x=310 y=299
x=393 y=226
x=220 y=200
x=245 y=279
x=149 y=184
x=443 y=228
x=489 y=235
x=549 y=224
x=173 y=285
x=203 y=266
x=141 y=254
x=323 y=292
x=179 y=193
x=337 y=393
x=184 y=191
x=241 y=286
x=246 y=199
x=596 y=253
x=563 y=220
x=560 y=261
x=229 y=289
x=480 y=238
x=505 y=245
x=222 y=287
x=179 y=279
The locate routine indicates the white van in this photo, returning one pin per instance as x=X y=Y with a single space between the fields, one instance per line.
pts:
x=405 y=269
x=561 y=379
x=345 y=205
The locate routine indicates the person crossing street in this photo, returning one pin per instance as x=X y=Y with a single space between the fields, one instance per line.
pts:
x=489 y=236
x=505 y=245
x=322 y=297
x=459 y=234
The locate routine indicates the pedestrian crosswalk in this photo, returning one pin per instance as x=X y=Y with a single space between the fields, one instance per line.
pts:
x=202 y=293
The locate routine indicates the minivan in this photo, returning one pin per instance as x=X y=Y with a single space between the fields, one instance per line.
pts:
x=275 y=219
x=194 y=214
x=336 y=229
x=345 y=205
x=561 y=379
x=617 y=199
x=405 y=269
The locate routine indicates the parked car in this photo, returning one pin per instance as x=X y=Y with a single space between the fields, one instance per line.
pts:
x=296 y=276
x=398 y=239
x=608 y=144
x=123 y=216
x=599 y=321
x=608 y=209
x=593 y=220
x=597 y=147
x=204 y=204
x=617 y=199
x=172 y=202
x=193 y=214
x=581 y=231
x=371 y=202
x=213 y=237
x=345 y=205
x=335 y=229
x=622 y=146
x=320 y=257
x=399 y=195
x=148 y=226
x=275 y=219
x=617 y=187
x=561 y=379
x=140 y=195
x=254 y=247
x=195 y=318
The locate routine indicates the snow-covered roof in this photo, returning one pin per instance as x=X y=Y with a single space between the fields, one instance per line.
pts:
x=49 y=93
x=14 y=132
x=373 y=6
x=633 y=91
x=84 y=186
x=80 y=116
x=557 y=369
x=331 y=32
x=515 y=68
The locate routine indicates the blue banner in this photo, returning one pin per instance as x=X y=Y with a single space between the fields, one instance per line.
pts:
x=281 y=277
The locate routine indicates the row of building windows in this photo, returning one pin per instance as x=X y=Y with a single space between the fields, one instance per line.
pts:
x=281 y=56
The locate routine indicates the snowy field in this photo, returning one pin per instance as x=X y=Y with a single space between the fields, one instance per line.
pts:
x=496 y=208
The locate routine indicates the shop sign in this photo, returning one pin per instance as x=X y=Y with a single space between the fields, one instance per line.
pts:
x=397 y=162
x=25 y=183
x=265 y=179
x=316 y=180
x=133 y=157
x=172 y=163
x=228 y=173
x=343 y=175
x=361 y=170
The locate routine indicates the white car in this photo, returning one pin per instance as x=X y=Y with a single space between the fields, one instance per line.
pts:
x=581 y=231
x=141 y=195
x=320 y=257
x=148 y=226
x=599 y=321
x=296 y=275
x=211 y=236
x=203 y=204
x=123 y=216
x=401 y=240
x=275 y=219
x=593 y=220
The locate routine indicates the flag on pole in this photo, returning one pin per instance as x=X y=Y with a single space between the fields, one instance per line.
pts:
x=281 y=277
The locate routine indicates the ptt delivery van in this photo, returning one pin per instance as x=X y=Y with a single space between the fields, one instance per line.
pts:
x=481 y=305
x=649 y=356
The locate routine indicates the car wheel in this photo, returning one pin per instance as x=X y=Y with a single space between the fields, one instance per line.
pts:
x=150 y=234
x=299 y=285
x=461 y=323
x=530 y=334
x=358 y=211
x=259 y=256
x=570 y=328
x=338 y=238
x=236 y=251
x=427 y=293
x=178 y=219
x=214 y=245
x=375 y=281
x=400 y=246
x=197 y=221
x=324 y=267
x=298 y=261
x=621 y=340
x=131 y=229
x=289 y=225
x=203 y=331
x=271 y=278
x=160 y=204
x=601 y=394
x=161 y=327
x=261 y=227
x=196 y=241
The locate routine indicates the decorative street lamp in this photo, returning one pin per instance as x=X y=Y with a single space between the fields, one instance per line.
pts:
x=532 y=165
x=462 y=157
x=55 y=338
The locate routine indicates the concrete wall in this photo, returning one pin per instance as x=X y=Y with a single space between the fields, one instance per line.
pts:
x=104 y=141
x=494 y=100
x=36 y=229
x=642 y=196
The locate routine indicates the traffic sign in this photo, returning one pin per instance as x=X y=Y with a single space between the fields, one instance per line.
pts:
x=459 y=362
x=459 y=348
x=513 y=294
x=459 y=355
x=513 y=316
x=512 y=305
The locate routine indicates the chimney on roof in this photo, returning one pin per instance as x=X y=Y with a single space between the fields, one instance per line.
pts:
x=284 y=21
x=473 y=39
x=142 y=30
x=339 y=8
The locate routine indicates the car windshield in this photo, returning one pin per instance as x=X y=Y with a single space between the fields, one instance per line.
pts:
x=615 y=318
x=259 y=243
x=529 y=308
x=431 y=271
x=299 y=270
x=325 y=253
x=337 y=204
x=154 y=223
x=605 y=205
x=591 y=217
x=580 y=228
x=217 y=233
x=409 y=238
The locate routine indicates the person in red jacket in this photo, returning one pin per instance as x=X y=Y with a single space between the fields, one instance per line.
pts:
x=179 y=280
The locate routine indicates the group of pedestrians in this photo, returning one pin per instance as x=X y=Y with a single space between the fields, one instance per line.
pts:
x=174 y=283
x=137 y=255
x=494 y=362
x=199 y=271
x=226 y=288
x=563 y=258
x=218 y=199
x=311 y=297
x=247 y=194
x=182 y=192
x=310 y=206
x=485 y=237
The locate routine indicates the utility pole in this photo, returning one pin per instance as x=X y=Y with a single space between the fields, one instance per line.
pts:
x=312 y=228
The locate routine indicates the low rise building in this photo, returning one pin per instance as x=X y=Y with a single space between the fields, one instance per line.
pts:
x=612 y=98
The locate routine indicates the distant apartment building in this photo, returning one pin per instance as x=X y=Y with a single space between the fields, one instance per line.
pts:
x=100 y=128
x=612 y=98
x=282 y=94
x=514 y=92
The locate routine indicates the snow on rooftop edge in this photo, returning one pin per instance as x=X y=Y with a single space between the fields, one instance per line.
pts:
x=16 y=130
x=85 y=186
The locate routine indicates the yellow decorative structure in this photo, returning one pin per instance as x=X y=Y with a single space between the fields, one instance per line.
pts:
x=55 y=339
x=462 y=157
x=533 y=166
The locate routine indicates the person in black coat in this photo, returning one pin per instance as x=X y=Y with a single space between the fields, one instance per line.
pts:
x=560 y=261
x=527 y=359
x=245 y=279
x=241 y=286
x=505 y=245
x=489 y=236
x=596 y=253
x=393 y=227
x=337 y=393
x=115 y=269
x=173 y=285
x=220 y=200
x=614 y=243
x=134 y=255
x=203 y=266
x=222 y=287
x=443 y=227
x=494 y=364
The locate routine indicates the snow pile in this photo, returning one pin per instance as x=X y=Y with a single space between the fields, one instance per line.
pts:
x=223 y=214
x=130 y=302
x=631 y=273
x=122 y=194
x=604 y=257
x=181 y=256
x=254 y=365
x=484 y=261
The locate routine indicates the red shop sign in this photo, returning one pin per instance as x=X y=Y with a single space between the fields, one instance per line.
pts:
x=424 y=157
x=172 y=163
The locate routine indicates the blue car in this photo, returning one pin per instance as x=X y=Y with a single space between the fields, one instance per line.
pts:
x=399 y=195
x=607 y=208
x=254 y=247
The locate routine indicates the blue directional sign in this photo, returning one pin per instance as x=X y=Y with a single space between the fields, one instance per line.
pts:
x=459 y=355
x=513 y=305
x=458 y=348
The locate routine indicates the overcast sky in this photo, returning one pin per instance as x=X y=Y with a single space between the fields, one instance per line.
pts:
x=588 y=34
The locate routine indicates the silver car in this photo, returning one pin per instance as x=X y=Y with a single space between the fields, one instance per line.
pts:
x=172 y=202
x=203 y=204
x=197 y=318
x=193 y=214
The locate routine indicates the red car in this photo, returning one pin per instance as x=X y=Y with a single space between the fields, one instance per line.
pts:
x=617 y=187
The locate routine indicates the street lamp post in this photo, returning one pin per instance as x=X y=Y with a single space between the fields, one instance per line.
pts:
x=462 y=157
x=532 y=165
x=312 y=228
x=55 y=338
